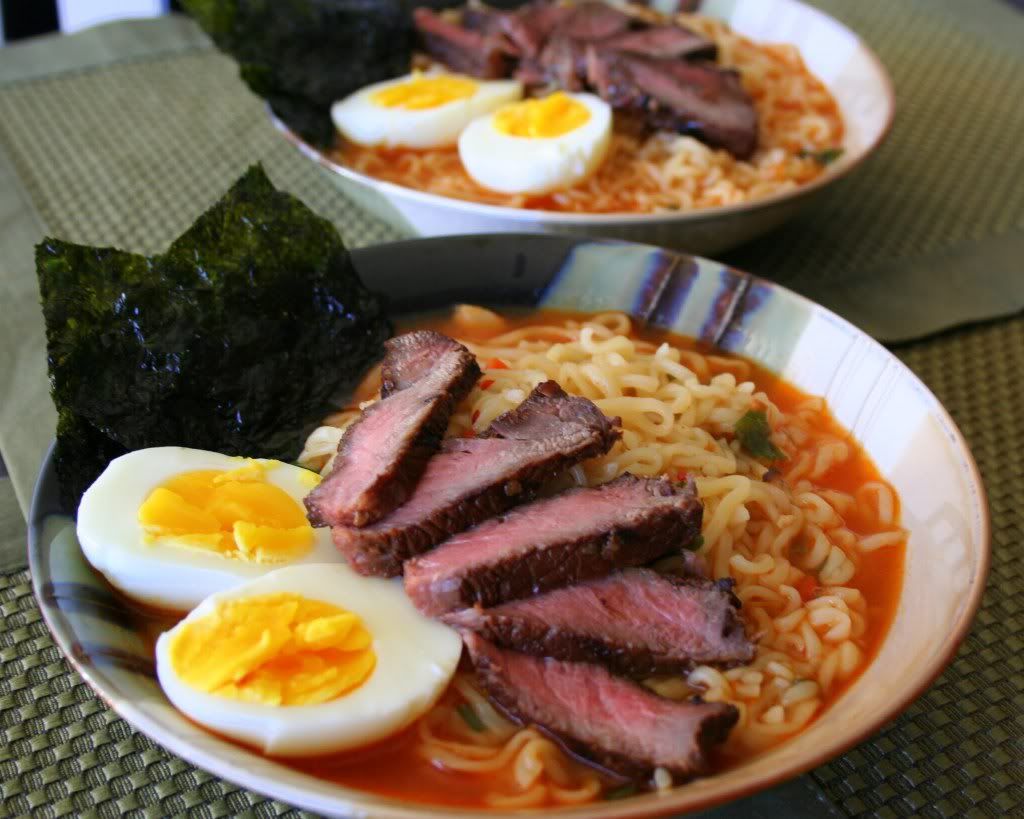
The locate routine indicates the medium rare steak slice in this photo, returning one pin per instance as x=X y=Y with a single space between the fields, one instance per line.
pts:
x=593 y=21
x=383 y=454
x=472 y=479
x=579 y=534
x=663 y=43
x=461 y=49
x=612 y=721
x=635 y=622
x=695 y=98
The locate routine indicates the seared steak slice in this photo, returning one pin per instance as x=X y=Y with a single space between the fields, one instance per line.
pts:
x=635 y=622
x=531 y=25
x=579 y=534
x=663 y=43
x=472 y=479
x=595 y=21
x=614 y=722
x=461 y=49
x=383 y=454
x=695 y=98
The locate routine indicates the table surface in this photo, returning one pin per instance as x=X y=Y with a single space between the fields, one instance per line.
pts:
x=957 y=750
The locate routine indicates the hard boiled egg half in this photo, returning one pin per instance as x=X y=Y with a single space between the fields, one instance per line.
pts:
x=307 y=660
x=419 y=110
x=538 y=145
x=169 y=526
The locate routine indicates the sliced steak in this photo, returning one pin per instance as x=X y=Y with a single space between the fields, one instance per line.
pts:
x=461 y=49
x=614 y=722
x=577 y=535
x=695 y=98
x=595 y=21
x=472 y=479
x=635 y=622
x=531 y=25
x=663 y=43
x=383 y=454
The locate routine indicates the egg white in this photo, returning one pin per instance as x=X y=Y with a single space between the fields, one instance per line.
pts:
x=162 y=573
x=362 y=121
x=416 y=658
x=537 y=165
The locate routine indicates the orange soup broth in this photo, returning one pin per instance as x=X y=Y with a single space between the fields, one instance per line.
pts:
x=394 y=768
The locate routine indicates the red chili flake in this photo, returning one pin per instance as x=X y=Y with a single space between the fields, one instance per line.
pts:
x=486 y=383
x=476 y=414
x=808 y=588
x=681 y=475
x=469 y=433
x=496 y=364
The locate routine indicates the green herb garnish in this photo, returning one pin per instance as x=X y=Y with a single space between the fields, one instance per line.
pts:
x=470 y=717
x=235 y=340
x=755 y=436
x=826 y=156
x=621 y=792
x=694 y=544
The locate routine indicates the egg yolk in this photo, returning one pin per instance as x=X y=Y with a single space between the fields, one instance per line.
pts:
x=423 y=92
x=274 y=649
x=545 y=118
x=236 y=514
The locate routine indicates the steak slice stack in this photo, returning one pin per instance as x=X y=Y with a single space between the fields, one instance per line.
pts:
x=663 y=74
x=610 y=720
x=579 y=534
x=473 y=479
x=636 y=623
x=383 y=454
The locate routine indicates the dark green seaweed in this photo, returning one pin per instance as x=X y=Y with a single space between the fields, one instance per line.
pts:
x=234 y=340
x=303 y=55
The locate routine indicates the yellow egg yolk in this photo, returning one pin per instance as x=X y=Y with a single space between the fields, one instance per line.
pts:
x=274 y=649
x=422 y=92
x=545 y=118
x=236 y=514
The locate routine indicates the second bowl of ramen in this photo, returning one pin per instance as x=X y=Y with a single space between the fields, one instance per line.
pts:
x=823 y=104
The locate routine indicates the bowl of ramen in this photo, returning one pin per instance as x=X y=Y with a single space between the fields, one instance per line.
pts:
x=698 y=129
x=670 y=534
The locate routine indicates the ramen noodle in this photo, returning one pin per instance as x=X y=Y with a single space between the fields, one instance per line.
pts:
x=813 y=543
x=799 y=129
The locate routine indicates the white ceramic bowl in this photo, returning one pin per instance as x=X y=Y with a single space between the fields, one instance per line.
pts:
x=850 y=70
x=902 y=426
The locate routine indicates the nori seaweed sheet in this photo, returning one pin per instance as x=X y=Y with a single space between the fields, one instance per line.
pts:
x=304 y=55
x=234 y=340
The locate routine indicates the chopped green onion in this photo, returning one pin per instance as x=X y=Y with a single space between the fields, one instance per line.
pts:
x=621 y=792
x=694 y=544
x=754 y=434
x=469 y=716
x=825 y=156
